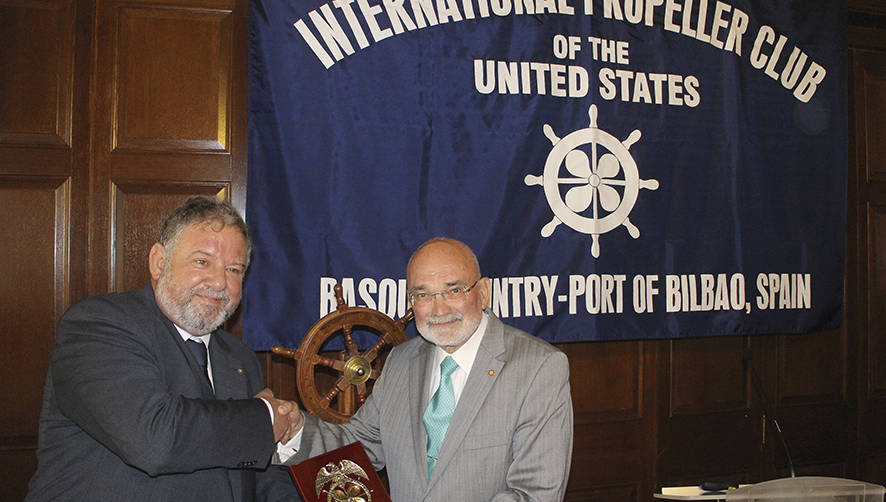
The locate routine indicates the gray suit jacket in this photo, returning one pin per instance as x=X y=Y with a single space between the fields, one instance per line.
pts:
x=128 y=415
x=510 y=437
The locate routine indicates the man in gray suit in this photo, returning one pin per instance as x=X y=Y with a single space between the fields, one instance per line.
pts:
x=500 y=422
x=132 y=408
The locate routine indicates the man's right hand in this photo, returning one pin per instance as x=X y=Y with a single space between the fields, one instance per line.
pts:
x=288 y=419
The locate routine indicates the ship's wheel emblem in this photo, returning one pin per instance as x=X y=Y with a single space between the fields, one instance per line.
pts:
x=601 y=186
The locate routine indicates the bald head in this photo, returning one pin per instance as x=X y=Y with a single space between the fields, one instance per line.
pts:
x=441 y=265
x=444 y=249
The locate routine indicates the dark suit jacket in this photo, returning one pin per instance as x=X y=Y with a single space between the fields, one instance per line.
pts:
x=128 y=415
x=510 y=438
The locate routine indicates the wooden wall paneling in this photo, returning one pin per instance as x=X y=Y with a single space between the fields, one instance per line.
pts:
x=872 y=392
x=24 y=161
x=873 y=82
x=280 y=375
x=38 y=72
x=113 y=112
x=875 y=388
x=41 y=227
x=607 y=381
x=813 y=410
x=706 y=375
x=34 y=215
x=853 y=325
x=238 y=142
x=761 y=395
x=869 y=171
x=873 y=6
x=623 y=493
x=172 y=89
x=817 y=435
x=705 y=413
x=165 y=121
x=873 y=468
x=826 y=352
x=613 y=404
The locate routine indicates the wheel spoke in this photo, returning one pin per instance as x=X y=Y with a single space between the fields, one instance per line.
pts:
x=349 y=340
x=329 y=396
x=342 y=383
x=594 y=200
x=594 y=153
x=372 y=353
x=571 y=181
x=361 y=394
x=329 y=363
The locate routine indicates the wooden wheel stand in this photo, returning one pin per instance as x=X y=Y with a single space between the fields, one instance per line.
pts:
x=353 y=367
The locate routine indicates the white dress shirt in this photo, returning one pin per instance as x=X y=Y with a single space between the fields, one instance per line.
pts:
x=464 y=357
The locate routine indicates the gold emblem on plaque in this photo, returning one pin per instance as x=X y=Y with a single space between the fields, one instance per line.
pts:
x=343 y=482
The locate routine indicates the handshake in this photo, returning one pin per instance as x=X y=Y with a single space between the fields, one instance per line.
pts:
x=288 y=419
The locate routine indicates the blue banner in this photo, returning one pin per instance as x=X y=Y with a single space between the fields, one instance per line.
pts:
x=624 y=169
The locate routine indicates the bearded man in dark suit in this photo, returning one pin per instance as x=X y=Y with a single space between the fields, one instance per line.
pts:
x=134 y=410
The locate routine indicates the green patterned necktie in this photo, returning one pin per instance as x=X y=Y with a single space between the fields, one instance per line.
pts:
x=439 y=412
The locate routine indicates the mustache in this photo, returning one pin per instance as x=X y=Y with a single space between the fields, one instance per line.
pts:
x=443 y=319
x=210 y=293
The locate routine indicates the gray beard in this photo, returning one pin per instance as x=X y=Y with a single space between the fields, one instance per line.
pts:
x=185 y=315
x=427 y=331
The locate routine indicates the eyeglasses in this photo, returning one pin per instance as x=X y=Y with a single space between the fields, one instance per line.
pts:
x=455 y=293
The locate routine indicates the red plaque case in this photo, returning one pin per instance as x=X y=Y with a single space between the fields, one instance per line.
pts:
x=343 y=474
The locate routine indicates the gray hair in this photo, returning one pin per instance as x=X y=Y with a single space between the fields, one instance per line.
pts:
x=198 y=210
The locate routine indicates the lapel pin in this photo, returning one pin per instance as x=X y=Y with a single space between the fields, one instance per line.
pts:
x=239 y=371
x=491 y=372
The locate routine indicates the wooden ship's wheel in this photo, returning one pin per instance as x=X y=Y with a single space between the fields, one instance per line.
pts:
x=353 y=370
